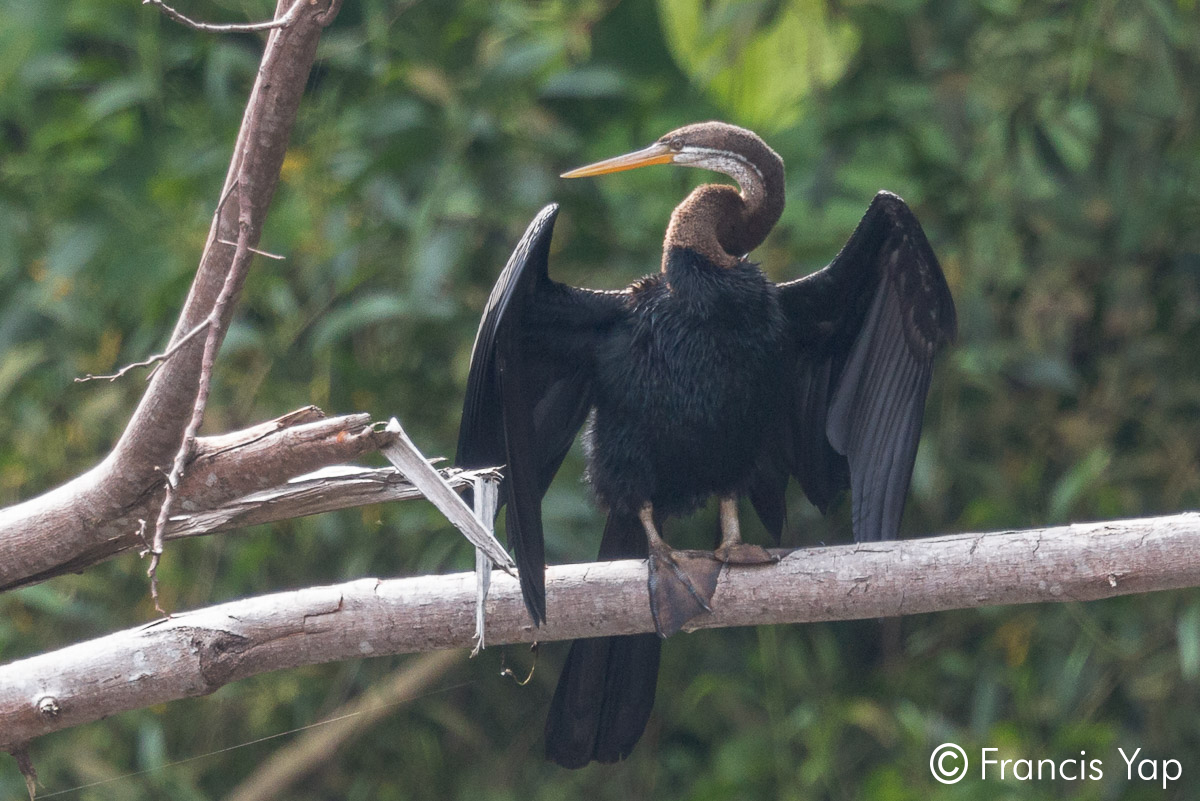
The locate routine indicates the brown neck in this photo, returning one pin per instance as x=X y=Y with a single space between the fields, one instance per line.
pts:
x=723 y=224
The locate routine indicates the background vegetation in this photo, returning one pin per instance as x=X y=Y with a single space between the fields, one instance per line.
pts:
x=1051 y=150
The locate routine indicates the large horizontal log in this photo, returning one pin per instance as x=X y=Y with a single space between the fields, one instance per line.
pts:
x=194 y=653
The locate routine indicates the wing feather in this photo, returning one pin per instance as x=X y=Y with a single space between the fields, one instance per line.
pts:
x=529 y=389
x=865 y=331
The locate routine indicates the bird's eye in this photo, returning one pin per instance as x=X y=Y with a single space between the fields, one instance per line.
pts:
x=676 y=143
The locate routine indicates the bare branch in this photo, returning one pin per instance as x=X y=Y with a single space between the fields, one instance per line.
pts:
x=209 y=27
x=194 y=653
x=319 y=492
x=223 y=469
x=219 y=320
x=25 y=765
x=150 y=360
x=97 y=513
x=262 y=253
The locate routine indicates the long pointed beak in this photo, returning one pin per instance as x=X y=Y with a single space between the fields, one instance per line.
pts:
x=657 y=153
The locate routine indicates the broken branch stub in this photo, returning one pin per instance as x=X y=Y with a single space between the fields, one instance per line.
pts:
x=408 y=459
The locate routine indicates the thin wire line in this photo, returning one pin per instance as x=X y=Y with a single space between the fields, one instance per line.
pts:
x=259 y=740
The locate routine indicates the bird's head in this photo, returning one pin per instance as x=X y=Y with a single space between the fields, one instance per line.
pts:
x=726 y=149
x=717 y=146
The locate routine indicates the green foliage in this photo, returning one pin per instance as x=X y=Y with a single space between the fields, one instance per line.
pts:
x=1051 y=151
x=736 y=51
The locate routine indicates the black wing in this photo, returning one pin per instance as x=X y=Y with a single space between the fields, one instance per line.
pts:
x=865 y=331
x=529 y=389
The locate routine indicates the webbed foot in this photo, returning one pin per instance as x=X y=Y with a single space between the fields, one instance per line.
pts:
x=681 y=586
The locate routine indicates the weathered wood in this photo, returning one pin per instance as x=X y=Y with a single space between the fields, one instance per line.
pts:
x=196 y=652
x=71 y=526
x=405 y=456
x=339 y=487
x=222 y=472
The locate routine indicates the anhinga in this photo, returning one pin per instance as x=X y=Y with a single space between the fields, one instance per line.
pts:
x=704 y=379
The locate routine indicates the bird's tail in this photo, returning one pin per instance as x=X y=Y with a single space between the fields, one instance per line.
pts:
x=606 y=690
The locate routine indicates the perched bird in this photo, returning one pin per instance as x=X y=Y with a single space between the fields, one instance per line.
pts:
x=705 y=379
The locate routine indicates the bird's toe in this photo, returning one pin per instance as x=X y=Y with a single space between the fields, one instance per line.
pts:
x=743 y=553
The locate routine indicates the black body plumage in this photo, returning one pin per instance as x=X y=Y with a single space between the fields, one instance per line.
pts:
x=685 y=386
x=704 y=379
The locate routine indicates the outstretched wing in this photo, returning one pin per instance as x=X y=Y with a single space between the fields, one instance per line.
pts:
x=529 y=389
x=865 y=331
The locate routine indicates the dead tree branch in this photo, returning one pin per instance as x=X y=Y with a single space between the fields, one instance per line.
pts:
x=149 y=361
x=404 y=455
x=254 y=171
x=194 y=653
x=223 y=471
x=76 y=524
x=323 y=491
x=235 y=27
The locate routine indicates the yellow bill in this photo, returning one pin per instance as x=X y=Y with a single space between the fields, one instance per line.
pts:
x=657 y=153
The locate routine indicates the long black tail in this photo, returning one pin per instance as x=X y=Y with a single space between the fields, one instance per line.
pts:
x=606 y=689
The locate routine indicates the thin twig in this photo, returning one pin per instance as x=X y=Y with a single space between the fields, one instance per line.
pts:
x=25 y=765
x=210 y=27
x=217 y=315
x=226 y=194
x=152 y=360
x=235 y=184
x=215 y=318
x=158 y=359
x=263 y=253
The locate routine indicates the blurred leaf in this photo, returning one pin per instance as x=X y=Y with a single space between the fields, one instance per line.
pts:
x=1187 y=632
x=16 y=362
x=118 y=95
x=582 y=83
x=362 y=312
x=759 y=60
x=1079 y=480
